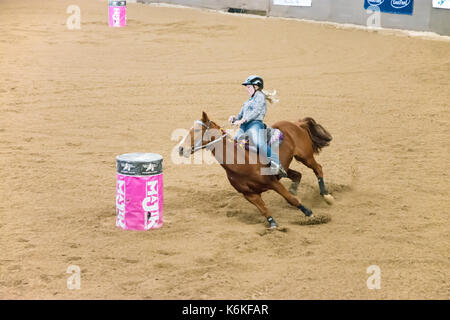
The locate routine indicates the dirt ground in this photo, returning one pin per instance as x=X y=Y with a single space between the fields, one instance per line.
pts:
x=71 y=100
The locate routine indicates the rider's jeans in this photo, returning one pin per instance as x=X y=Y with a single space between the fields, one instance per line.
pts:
x=257 y=136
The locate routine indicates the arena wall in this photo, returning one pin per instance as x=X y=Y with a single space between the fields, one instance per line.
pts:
x=424 y=17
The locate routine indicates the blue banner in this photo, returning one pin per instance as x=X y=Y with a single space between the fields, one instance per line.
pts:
x=391 y=6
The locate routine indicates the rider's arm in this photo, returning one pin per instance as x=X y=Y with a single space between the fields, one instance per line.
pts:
x=256 y=108
x=239 y=116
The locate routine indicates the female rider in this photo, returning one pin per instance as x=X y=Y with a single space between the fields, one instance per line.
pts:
x=250 y=120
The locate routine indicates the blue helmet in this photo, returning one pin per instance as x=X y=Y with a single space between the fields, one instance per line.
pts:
x=254 y=80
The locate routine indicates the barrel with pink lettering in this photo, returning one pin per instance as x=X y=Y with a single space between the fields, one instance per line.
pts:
x=117 y=13
x=139 y=191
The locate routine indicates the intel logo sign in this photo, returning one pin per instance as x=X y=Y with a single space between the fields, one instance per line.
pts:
x=398 y=4
x=375 y=2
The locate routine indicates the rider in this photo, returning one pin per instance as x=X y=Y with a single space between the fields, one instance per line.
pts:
x=250 y=121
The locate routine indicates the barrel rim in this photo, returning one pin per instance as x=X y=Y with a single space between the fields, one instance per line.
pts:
x=113 y=3
x=140 y=161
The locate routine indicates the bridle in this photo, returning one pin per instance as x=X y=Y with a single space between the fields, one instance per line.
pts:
x=198 y=145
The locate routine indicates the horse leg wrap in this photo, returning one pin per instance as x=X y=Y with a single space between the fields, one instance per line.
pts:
x=305 y=210
x=272 y=222
x=293 y=188
x=323 y=189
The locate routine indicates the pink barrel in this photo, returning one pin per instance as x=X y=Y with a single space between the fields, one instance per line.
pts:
x=117 y=13
x=139 y=191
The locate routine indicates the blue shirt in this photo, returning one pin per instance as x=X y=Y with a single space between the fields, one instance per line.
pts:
x=254 y=108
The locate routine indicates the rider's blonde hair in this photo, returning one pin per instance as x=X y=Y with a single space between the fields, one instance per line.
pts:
x=270 y=96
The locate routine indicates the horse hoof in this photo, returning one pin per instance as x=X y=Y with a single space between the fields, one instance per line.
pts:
x=328 y=198
x=273 y=226
x=309 y=214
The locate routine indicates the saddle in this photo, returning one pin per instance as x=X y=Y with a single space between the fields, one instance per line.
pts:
x=273 y=136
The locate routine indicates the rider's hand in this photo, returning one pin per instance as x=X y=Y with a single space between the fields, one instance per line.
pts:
x=231 y=119
x=238 y=123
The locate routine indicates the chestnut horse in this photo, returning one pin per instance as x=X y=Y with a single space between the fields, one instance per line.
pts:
x=301 y=140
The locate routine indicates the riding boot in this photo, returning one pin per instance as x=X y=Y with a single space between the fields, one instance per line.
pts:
x=283 y=173
x=277 y=169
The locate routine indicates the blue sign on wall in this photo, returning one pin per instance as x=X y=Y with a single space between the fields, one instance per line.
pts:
x=392 y=6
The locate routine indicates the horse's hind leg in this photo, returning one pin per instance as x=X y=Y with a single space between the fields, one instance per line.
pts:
x=256 y=199
x=279 y=188
x=295 y=176
x=310 y=162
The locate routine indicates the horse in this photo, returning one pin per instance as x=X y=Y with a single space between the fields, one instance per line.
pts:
x=302 y=139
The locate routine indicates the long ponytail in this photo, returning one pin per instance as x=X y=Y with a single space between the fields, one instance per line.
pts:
x=270 y=96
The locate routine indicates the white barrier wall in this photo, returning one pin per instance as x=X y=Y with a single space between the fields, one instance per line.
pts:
x=217 y=4
x=424 y=17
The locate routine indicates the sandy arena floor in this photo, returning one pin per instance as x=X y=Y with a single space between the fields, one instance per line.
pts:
x=70 y=101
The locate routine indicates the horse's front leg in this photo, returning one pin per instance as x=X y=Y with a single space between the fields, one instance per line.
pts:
x=256 y=199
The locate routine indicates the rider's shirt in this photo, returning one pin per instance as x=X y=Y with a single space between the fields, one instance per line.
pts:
x=254 y=108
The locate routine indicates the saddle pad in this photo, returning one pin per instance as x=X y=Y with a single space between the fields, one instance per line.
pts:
x=274 y=135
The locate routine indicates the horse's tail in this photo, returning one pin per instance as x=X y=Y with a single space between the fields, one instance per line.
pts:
x=320 y=137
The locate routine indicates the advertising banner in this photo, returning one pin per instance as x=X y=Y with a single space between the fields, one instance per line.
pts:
x=442 y=4
x=392 y=6
x=298 y=3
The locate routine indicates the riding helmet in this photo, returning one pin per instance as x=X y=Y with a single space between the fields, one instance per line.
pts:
x=254 y=80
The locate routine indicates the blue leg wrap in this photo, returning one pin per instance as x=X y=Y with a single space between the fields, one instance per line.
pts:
x=305 y=210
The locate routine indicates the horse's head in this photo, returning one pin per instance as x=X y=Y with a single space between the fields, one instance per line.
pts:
x=202 y=134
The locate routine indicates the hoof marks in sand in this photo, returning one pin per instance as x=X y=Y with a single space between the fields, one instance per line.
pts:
x=319 y=219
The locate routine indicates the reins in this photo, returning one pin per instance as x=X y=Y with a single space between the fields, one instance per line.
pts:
x=199 y=147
